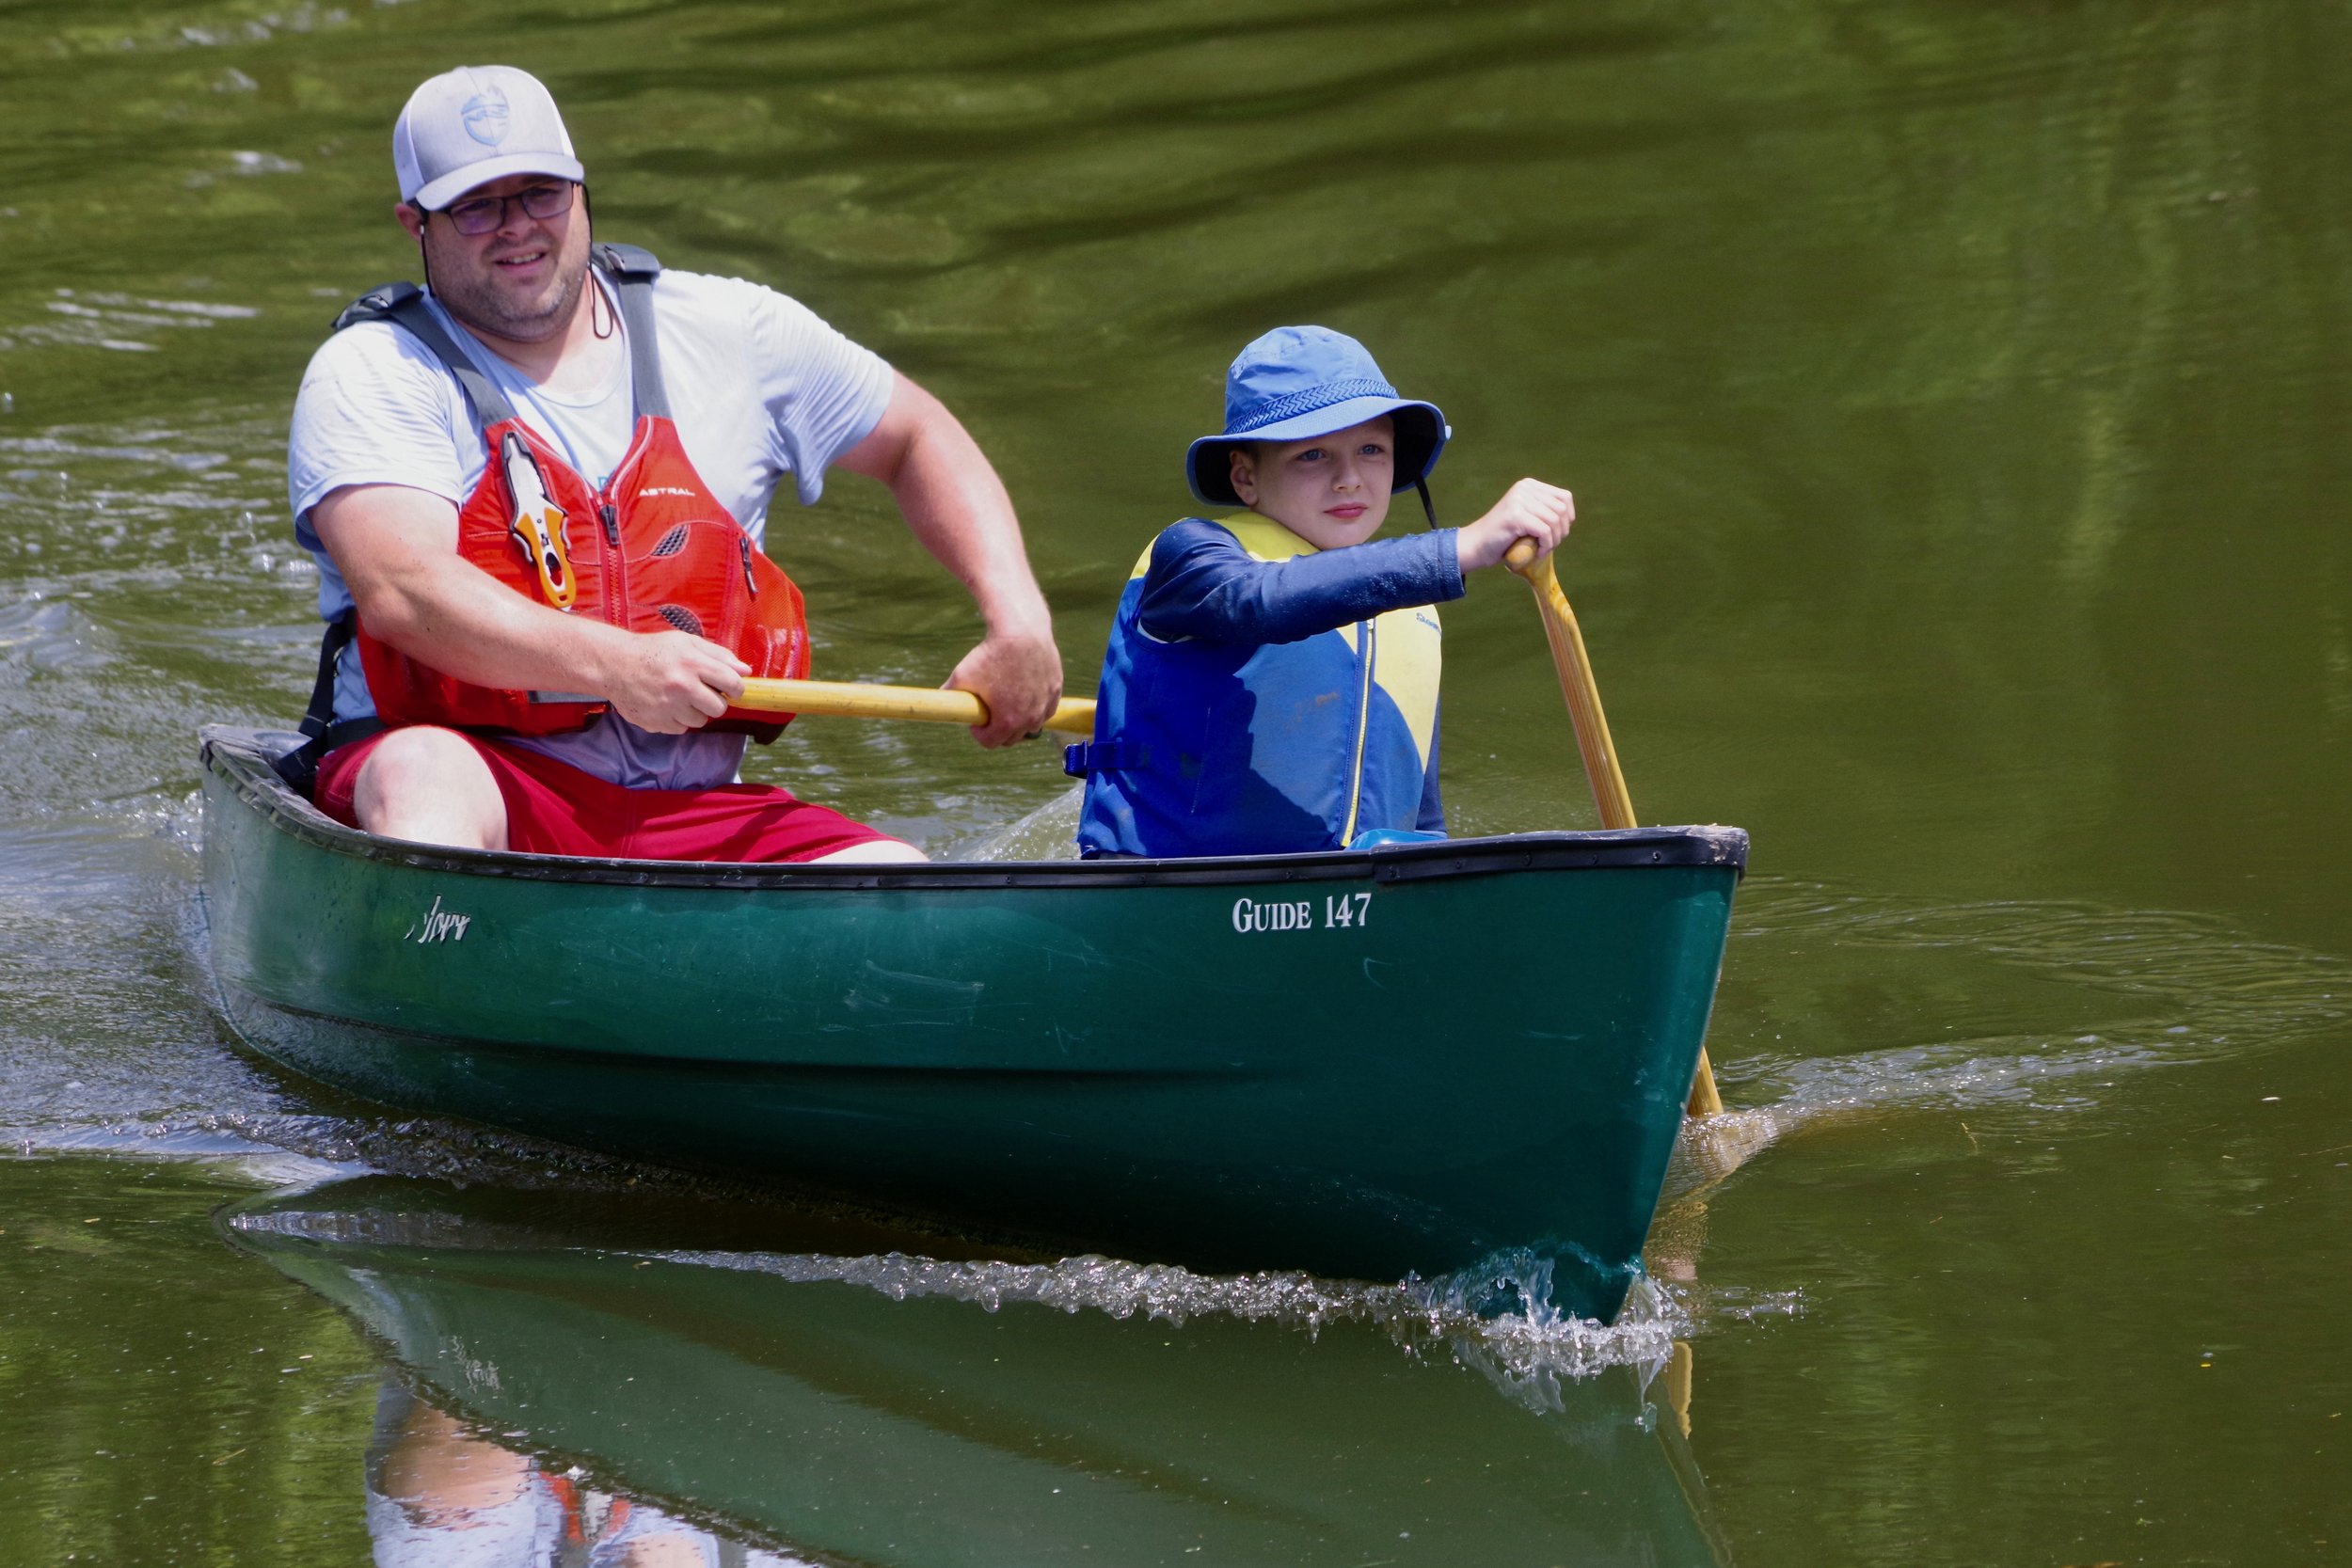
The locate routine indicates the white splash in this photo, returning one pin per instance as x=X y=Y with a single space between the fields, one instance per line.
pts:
x=1526 y=1354
x=1048 y=833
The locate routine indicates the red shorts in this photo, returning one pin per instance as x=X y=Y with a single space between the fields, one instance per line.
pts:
x=553 y=808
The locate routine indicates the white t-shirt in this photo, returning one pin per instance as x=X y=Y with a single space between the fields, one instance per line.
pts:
x=759 y=386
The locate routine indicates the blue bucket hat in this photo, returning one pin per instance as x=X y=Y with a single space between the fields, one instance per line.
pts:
x=1299 y=382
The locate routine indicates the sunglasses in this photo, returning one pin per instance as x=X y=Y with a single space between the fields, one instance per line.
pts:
x=487 y=212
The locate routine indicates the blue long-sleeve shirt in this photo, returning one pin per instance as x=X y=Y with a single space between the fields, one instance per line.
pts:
x=1204 y=585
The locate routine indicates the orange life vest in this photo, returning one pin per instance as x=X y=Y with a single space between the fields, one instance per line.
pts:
x=653 y=551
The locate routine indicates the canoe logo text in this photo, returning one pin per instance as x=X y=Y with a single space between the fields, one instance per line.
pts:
x=438 y=926
x=1339 y=910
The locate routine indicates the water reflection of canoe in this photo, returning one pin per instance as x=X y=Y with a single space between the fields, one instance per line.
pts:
x=836 y=1423
x=1360 y=1064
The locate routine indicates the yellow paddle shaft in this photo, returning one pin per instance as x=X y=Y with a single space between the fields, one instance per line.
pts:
x=1577 y=684
x=1592 y=738
x=857 y=700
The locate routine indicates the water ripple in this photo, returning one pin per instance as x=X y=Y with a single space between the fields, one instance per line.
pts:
x=2201 y=991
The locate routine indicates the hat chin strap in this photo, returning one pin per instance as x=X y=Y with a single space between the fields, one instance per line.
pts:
x=1428 y=507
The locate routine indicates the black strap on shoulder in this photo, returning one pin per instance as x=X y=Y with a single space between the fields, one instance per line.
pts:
x=299 y=767
x=404 y=304
x=632 y=269
x=376 y=305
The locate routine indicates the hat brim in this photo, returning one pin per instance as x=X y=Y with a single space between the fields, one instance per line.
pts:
x=437 y=194
x=1420 y=436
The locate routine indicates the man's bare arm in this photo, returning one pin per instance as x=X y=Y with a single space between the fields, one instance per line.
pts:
x=397 y=549
x=957 y=506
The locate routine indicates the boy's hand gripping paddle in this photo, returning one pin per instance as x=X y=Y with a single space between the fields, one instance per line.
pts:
x=1592 y=738
x=538 y=522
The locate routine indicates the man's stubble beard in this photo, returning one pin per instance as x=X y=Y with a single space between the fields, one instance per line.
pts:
x=478 y=304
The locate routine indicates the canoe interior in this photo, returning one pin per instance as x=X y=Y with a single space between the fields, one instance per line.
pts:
x=1408 y=1060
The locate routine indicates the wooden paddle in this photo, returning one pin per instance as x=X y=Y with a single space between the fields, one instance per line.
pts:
x=856 y=700
x=1592 y=738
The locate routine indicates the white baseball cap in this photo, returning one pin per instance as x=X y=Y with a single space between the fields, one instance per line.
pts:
x=477 y=123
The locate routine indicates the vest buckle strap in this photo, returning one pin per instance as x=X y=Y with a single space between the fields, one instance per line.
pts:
x=299 y=767
x=1103 y=757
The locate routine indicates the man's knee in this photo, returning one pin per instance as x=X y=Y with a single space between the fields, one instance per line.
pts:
x=876 y=851
x=430 y=786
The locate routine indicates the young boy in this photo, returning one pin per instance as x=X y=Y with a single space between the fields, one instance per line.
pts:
x=1271 y=684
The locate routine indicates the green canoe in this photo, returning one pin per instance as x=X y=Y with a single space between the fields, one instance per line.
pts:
x=1464 y=1058
x=846 y=1426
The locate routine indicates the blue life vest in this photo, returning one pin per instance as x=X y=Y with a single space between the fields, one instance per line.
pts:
x=1241 y=748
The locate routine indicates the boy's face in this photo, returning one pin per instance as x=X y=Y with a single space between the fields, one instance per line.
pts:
x=1332 y=491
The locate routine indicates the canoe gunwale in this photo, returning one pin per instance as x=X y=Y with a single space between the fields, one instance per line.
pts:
x=239 y=757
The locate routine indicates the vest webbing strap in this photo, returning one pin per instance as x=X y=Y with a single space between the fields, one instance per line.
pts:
x=299 y=767
x=632 y=269
x=403 y=302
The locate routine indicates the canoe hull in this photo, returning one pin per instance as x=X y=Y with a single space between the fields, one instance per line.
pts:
x=1361 y=1065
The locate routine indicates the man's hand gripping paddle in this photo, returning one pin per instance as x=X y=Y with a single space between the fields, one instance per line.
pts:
x=1592 y=738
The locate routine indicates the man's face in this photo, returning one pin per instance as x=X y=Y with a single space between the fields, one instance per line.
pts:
x=522 y=280
x=1332 y=491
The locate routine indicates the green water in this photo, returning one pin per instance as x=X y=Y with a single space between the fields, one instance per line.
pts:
x=1953 y=399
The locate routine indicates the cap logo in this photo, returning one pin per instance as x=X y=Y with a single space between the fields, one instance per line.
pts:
x=486 y=117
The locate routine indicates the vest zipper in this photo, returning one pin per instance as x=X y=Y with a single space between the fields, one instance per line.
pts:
x=743 y=547
x=616 y=565
x=1367 y=637
x=615 y=573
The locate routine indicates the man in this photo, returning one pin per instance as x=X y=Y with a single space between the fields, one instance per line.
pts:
x=393 y=473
